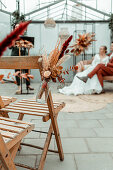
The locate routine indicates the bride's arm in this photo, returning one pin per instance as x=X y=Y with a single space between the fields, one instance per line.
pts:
x=95 y=60
x=82 y=63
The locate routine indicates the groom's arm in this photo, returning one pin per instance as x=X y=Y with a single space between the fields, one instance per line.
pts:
x=110 y=64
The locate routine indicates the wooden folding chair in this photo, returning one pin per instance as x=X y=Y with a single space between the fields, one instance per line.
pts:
x=47 y=111
x=11 y=134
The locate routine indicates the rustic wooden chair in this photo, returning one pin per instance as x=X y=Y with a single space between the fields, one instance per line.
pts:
x=48 y=110
x=11 y=134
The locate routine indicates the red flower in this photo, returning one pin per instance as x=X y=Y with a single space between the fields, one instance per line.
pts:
x=65 y=45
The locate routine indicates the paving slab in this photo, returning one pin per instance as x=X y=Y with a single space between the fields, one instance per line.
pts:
x=100 y=144
x=53 y=163
x=74 y=145
x=88 y=123
x=94 y=162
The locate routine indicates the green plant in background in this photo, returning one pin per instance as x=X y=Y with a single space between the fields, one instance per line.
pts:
x=111 y=26
x=17 y=18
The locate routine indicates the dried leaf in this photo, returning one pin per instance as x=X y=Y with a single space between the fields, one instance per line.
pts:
x=63 y=59
x=1 y=77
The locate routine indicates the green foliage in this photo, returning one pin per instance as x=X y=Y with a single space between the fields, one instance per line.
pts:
x=17 y=18
x=111 y=22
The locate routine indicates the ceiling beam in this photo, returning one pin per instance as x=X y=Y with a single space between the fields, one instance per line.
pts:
x=47 y=6
x=6 y=12
x=89 y=7
x=2 y=4
x=73 y=21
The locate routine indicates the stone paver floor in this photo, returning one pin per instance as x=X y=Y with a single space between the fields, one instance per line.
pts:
x=87 y=138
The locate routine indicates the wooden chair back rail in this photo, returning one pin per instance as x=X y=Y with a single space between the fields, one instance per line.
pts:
x=19 y=62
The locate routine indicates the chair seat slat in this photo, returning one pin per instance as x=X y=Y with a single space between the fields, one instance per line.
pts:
x=23 y=112
x=26 y=109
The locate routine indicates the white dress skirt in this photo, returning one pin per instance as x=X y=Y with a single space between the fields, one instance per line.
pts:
x=92 y=85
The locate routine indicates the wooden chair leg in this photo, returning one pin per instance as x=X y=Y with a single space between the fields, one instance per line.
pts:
x=46 y=146
x=5 y=115
x=20 y=117
x=14 y=150
x=55 y=126
x=6 y=159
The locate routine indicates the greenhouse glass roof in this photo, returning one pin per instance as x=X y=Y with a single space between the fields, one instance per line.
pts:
x=40 y=10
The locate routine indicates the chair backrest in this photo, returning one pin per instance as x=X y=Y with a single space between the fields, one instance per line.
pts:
x=5 y=157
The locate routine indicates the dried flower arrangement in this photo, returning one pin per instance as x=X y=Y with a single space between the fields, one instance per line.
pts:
x=51 y=68
x=51 y=65
x=82 y=43
x=11 y=78
x=23 y=43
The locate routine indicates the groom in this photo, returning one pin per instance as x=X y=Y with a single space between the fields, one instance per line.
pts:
x=101 y=70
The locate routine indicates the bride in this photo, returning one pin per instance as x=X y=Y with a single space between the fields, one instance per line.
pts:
x=92 y=85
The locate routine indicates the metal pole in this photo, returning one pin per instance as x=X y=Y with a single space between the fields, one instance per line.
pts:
x=39 y=3
x=66 y=9
x=96 y=4
x=18 y=5
x=85 y=13
x=24 y=5
x=111 y=6
x=10 y=22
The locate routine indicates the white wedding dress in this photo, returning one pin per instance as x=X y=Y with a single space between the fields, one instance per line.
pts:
x=92 y=85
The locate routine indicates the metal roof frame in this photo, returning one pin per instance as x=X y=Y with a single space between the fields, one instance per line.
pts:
x=89 y=7
x=84 y=11
x=64 y=12
x=47 y=6
x=6 y=12
x=46 y=11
